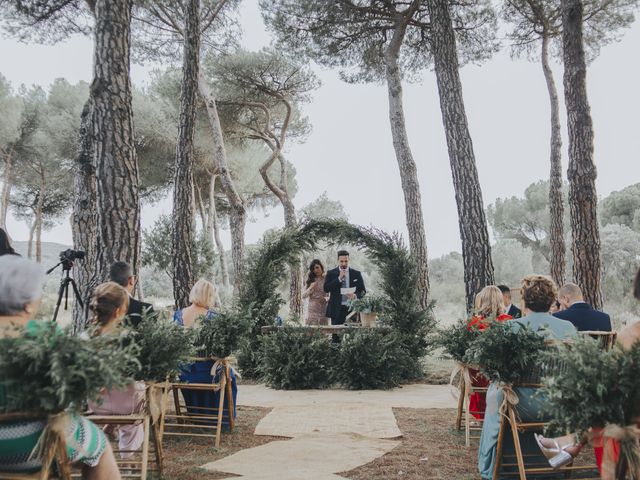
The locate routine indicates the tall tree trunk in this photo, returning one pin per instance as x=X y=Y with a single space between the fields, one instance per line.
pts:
x=39 y=208
x=84 y=226
x=205 y=218
x=182 y=232
x=476 y=249
x=212 y=224
x=118 y=204
x=582 y=173
x=238 y=217
x=32 y=230
x=556 y=205
x=7 y=183
x=407 y=166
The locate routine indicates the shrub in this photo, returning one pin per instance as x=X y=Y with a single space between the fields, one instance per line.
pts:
x=49 y=370
x=222 y=335
x=367 y=304
x=506 y=354
x=371 y=358
x=296 y=358
x=164 y=347
x=455 y=340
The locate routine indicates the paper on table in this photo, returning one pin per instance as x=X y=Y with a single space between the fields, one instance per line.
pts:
x=345 y=291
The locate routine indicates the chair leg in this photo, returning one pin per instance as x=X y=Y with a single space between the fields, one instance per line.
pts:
x=145 y=449
x=230 y=404
x=516 y=444
x=157 y=443
x=467 y=421
x=460 y=406
x=223 y=381
x=176 y=402
x=496 y=467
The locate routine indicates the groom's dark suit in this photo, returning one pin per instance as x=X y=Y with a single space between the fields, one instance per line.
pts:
x=332 y=284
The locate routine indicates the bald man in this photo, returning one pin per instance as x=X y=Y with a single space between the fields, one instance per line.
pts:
x=580 y=313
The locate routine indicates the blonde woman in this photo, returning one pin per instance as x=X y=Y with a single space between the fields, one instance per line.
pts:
x=489 y=304
x=202 y=298
x=109 y=306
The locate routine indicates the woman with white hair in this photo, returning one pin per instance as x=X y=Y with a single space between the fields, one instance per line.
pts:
x=21 y=283
x=203 y=298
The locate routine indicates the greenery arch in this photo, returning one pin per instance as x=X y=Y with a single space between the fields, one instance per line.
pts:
x=260 y=301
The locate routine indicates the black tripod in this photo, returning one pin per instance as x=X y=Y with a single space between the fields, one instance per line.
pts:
x=64 y=286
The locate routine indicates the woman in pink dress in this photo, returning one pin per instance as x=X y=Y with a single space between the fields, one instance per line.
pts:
x=316 y=313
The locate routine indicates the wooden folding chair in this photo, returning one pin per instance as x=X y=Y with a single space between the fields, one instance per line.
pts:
x=55 y=452
x=464 y=416
x=607 y=339
x=140 y=464
x=205 y=420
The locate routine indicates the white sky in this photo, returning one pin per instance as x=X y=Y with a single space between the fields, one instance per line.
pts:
x=349 y=153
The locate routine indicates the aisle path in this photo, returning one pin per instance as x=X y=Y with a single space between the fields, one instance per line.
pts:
x=331 y=430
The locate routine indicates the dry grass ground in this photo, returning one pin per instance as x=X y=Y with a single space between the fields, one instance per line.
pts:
x=430 y=450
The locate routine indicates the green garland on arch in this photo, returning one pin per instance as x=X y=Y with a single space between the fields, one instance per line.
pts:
x=259 y=300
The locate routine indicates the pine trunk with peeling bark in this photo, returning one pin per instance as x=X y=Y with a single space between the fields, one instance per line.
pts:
x=583 y=199
x=476 y=248
x=407 y=166
x=214 y=231
x=32 y=230
x=238 y=216
x=39 y=207
x=7 y=183
x=182 y=232
x=556 y=205
x=84 y=226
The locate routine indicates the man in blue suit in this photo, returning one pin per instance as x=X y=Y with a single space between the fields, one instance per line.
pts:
x=342 y=277
x=580 y=313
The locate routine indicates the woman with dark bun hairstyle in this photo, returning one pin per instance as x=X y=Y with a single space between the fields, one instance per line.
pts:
x=108 y=306
x=317 y=308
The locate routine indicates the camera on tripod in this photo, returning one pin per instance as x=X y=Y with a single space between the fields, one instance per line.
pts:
x=67 y=257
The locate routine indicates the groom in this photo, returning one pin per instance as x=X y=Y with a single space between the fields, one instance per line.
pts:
x=342 y=277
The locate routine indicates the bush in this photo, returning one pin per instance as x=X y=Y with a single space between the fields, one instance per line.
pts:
x=371 y=358
x=222 y=335
x=49 y=370
x=506 y=354
x=164 y=347
x=455 y=340
x=296 y=358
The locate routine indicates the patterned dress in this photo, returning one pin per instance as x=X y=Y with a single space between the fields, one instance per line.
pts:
x=317 y=310
x=85 y=441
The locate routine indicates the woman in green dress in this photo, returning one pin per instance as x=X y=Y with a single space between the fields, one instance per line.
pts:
x=21 y=283
x=538 y=293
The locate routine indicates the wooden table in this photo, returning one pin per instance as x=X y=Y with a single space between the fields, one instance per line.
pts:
x=328 y=329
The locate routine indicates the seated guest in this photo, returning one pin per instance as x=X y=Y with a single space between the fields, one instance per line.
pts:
x=580 y=313
x=120 y=273
x=109 y=306
x=5 y=244
x=21 y=284
x=488 y=304
x=509 y=308
x=538 y=293
x=202 y=298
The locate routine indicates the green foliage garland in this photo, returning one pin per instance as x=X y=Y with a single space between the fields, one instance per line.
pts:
x=505 y=353
x=595 y=388
x=371 y=359
x=457 y=339
x=222 y=335
x=164 y=347
x=402 y=312
x=297 y=358
x=49 y=370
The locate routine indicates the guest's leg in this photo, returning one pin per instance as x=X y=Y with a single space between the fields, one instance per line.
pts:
x=130 y=437
x=107 y=468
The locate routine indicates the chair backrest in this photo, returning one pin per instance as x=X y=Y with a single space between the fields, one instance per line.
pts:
x=607 y=339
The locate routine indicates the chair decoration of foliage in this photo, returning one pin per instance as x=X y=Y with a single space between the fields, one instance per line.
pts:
x=51 y=370
x=260 y=301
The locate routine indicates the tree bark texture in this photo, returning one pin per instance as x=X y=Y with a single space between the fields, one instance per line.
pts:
x=84 y=226
x=32 y=230
x=557 y=261
x=182 y=231
x=214 y=231
x=7 y=183
x=39 y=206
x=407 y=166
x=238 y=217
x=118 y=204
x=476 y=249
x=582 y=173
